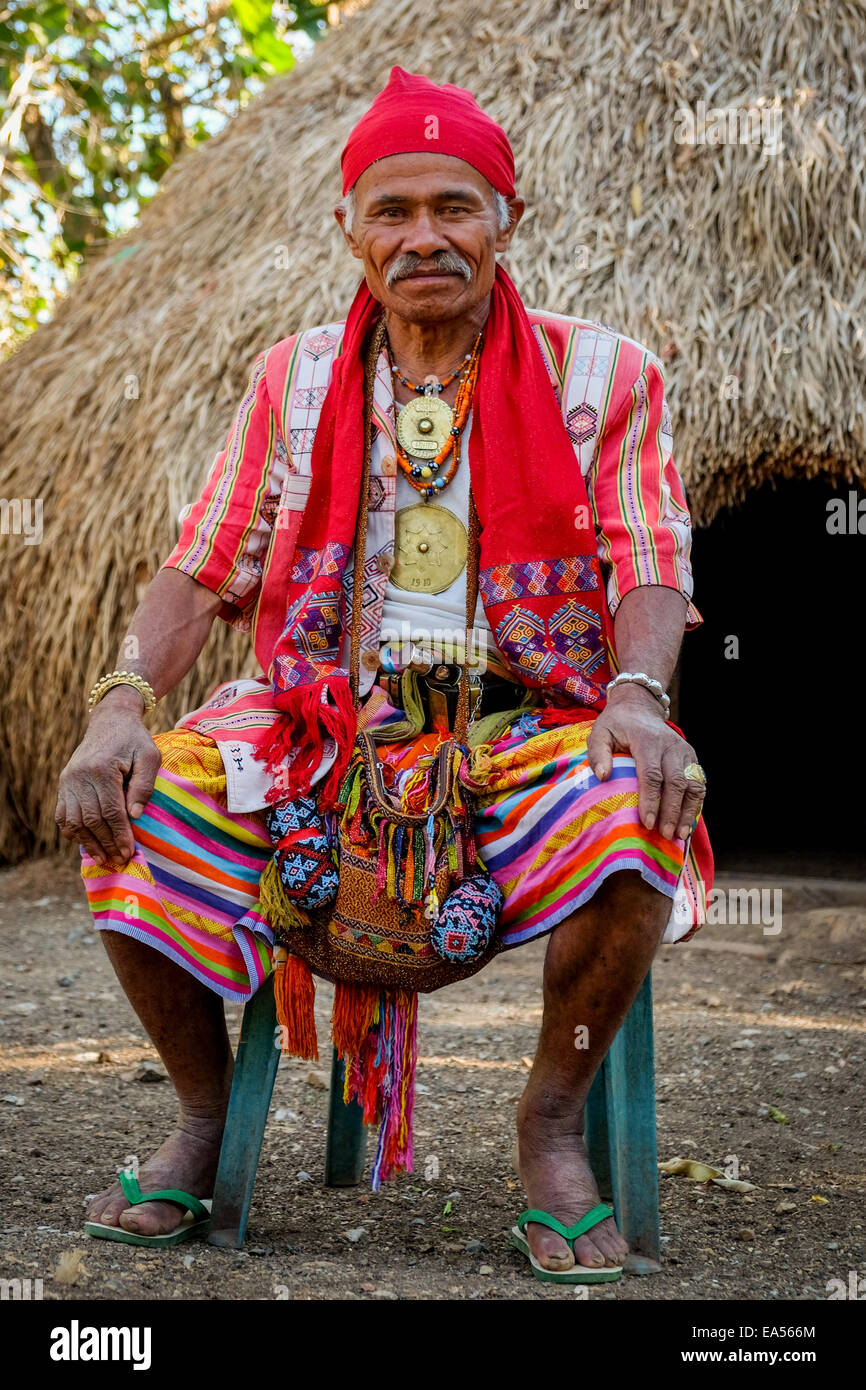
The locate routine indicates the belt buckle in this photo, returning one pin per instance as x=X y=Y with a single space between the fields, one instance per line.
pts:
x=420 y=660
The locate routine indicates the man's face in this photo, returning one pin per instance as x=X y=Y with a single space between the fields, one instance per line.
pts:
x=426 y=229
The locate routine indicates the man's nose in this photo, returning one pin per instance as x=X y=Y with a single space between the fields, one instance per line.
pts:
x=422 y=235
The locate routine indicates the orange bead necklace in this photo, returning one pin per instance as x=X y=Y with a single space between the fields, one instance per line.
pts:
x=425 y=475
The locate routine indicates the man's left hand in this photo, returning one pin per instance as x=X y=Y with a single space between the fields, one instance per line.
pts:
x=632 y=722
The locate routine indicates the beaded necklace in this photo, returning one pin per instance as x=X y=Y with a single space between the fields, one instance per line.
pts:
x=424 y=474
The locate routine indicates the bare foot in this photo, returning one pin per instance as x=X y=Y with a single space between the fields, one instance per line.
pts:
x=556 y=1176
x=187 y=1160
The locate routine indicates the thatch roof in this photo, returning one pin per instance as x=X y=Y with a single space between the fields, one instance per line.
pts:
x=733 y=262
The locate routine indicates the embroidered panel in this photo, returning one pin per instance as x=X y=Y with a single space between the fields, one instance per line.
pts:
x=581 y=423
x=575 y=632
x=317 y=344
x=310 y=564
x=534 y=645
x=572 y=574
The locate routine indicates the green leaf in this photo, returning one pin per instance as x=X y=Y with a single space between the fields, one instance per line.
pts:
x=252 y=15
x=273 y=52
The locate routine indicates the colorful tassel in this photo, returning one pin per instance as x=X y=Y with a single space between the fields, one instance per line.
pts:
x=295 y=996
x=278 y=910
x=295 y=749
x=355 y=1012
x=376 y=1036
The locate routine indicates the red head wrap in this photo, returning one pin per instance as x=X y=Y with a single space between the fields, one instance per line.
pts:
x=413 y=114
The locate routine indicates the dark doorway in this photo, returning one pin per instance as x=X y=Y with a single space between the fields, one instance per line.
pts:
x=779 y=727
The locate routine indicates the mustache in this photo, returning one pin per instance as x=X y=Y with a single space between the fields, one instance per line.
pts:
x=447 y=262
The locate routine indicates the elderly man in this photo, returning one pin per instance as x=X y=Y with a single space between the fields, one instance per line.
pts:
x=590 y=823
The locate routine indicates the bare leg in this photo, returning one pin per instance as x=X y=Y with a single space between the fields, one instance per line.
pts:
x=596 y=961
x=185 y=1021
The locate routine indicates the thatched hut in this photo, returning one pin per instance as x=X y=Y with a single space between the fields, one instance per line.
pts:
x=740 y=262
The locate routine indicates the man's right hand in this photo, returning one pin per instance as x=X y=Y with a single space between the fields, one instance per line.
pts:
x=109 y=778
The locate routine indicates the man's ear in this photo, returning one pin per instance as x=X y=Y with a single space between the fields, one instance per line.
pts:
x=340 y=214
x=517 y=207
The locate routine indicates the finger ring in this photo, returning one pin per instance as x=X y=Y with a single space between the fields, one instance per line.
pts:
x=693 y=772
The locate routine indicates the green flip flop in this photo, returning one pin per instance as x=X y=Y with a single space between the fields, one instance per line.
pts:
x=195 y=1219
x=579 y=1274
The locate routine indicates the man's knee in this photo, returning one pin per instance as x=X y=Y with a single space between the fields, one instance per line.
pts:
x=624 y=920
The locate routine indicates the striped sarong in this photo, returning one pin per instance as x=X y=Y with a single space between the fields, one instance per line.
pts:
x=549 y=832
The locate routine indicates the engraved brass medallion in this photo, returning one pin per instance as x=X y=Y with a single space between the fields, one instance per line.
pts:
x=423 y=426
x=430 y=549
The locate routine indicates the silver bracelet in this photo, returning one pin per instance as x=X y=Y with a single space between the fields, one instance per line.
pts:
x=641 y=678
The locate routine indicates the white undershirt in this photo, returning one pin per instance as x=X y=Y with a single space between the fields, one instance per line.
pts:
x=408 y=615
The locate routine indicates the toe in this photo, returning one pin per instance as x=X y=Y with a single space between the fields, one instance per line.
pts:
x=151 y=1218
x=588 y=1253
x=99 y=1203
x=550 y=1250
x=108 y=1209
x=611 y=1244
x=603 y=1245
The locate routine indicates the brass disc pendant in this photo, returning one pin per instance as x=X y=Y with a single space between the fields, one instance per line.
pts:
x=430 y=548
x=423 y=426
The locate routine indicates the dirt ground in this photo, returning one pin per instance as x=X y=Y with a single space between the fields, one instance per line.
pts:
x=759 y=1052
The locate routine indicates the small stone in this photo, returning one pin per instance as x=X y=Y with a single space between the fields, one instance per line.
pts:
x=13 y=1100
x=742 y=1044
x=384 y=1293
x=188 y=1261
x=452 y=1197
x=746 y=1234
x=784 y=1207
x=261 y=1250
x=25 y=1008
x=148 y=1072
x=485 y=1269
x=64 y=982
x=356 y=1234
x=317 y=1079
x=303 y=1177
x=476 y=1247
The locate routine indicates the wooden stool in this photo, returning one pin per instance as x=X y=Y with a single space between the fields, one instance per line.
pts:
x=620 y=1128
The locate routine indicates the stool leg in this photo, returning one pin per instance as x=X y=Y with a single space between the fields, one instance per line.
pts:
x=596 y=1134
x=631 y=1121
x=255 y=1069
x=344 y=1151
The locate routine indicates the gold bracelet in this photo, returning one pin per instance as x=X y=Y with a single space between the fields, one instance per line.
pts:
x=113 y=678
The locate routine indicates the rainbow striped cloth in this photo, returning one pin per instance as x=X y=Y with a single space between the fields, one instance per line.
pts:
x=547 y=830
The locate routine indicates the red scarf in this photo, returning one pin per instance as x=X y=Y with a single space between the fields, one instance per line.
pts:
x=539 y=575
